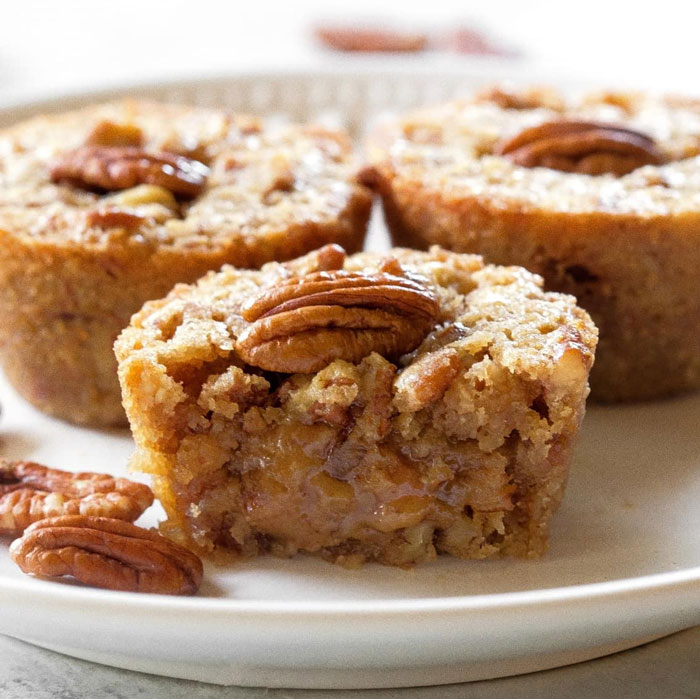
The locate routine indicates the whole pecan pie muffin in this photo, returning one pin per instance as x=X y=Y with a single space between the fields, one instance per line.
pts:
x=106 y=207
x=601 y=196
x=370 y=407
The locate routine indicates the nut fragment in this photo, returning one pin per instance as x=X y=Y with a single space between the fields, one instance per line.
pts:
x=369 y=40
x=581 y=146
x=426 y=380
x=108 y=553
x=325 y=259
x=113 y=217
x=144 y=195
x=108 y=133
x=303 y=323
x=121 y=167
x=531 y=98
x=330 y=257
x=30 y=492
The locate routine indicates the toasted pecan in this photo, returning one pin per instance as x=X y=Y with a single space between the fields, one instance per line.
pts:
x=425 y=381
x=109 y=133
x=303 y=323
x=371 y=40
x=30 y=492
x=113 y=168
x=587 y=147
x=107 y=553
x=114 y=217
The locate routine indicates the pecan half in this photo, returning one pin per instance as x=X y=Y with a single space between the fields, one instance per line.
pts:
x=587 y=147
x=108 y=553
x=370 y=40
x=121 y=167
x=30 y=492
x=304 y=323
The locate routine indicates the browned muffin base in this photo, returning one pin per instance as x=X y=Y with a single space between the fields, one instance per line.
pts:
x=598 y=194
x=642 y=294
x=64 y=304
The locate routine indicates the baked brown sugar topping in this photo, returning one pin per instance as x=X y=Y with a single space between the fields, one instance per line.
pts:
x=640 y=159
x=587 y=147
x=241 y=183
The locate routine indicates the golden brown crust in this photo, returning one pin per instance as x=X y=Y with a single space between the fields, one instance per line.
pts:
x=461 y=446
x=76 y=264
x=626 y=247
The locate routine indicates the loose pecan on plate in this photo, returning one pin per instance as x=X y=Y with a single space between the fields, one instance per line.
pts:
x=107 y=553
x=303 y=323
x=586 y=147
x=371 y=40
x=30 y=492
x=112 y=168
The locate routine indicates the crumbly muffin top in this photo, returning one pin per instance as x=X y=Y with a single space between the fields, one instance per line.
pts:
x=484 y=316
x=453 y=149
x=447 y=395
x=174 y=175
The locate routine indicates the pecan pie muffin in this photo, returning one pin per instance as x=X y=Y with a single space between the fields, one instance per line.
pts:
x=600 y=196
x=358 y=408
x=106 y=207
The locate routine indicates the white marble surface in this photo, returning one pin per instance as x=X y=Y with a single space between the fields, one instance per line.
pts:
x=666 y=669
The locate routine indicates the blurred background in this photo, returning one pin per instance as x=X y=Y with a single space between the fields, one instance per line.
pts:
x=47 y=48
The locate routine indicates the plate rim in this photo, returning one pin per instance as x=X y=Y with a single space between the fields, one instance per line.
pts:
x=668 y=581
x=485 y=69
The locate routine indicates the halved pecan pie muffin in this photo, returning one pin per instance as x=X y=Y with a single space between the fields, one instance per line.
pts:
x=370 y=407
x=106 y=207
x=601 y=196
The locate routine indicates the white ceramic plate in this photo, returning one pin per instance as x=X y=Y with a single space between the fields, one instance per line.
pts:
x=623 y=568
